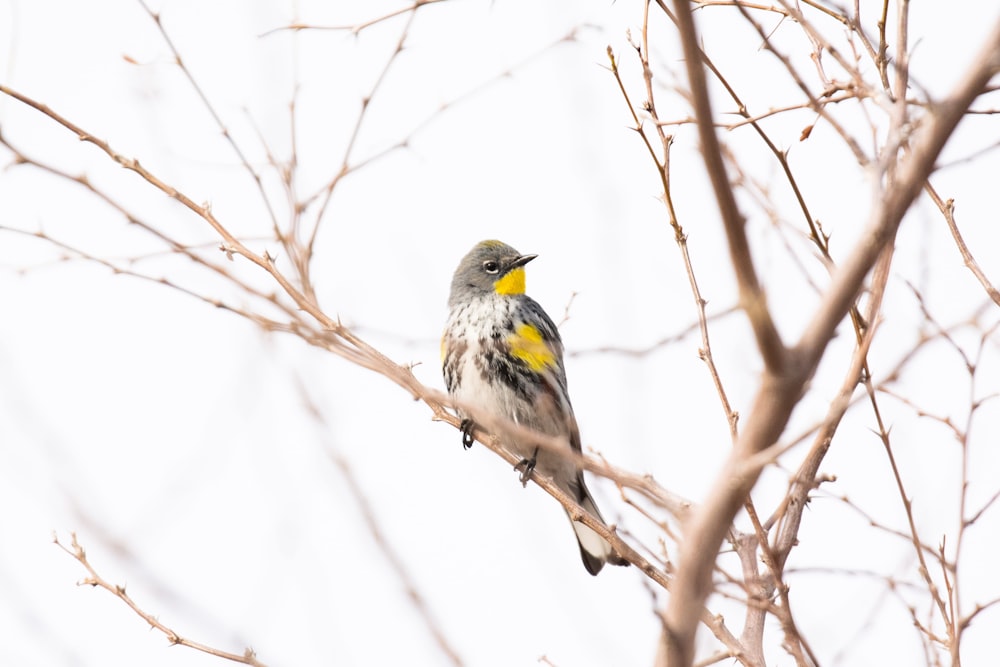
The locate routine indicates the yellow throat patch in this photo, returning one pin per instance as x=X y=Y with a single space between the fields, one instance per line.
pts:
x=527 y=345
x=511 y=283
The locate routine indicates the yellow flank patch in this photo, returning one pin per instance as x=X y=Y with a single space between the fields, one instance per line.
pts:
x=527 y=345
x=511 y=283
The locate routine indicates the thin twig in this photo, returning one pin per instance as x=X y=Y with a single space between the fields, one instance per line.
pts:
x=355 y=28
x=397 y=563
x=248 y=657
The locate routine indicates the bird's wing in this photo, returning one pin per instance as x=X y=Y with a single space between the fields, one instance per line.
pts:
x=537 y=344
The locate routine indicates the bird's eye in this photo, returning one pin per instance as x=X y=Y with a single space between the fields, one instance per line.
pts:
x=489 y=266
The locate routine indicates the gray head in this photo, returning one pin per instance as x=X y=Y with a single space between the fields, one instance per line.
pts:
x=491 y=267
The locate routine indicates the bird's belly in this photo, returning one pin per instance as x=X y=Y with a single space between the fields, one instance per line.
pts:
x=494 y=398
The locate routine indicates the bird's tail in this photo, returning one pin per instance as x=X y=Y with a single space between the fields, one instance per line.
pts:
x=595 y=550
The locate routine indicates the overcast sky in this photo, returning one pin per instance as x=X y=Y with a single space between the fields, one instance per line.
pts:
x=175 y=439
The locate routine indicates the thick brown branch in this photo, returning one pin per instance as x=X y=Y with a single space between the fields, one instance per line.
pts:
x=752 y=297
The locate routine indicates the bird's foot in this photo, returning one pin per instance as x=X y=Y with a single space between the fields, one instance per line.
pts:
x=466 y=428
x=527 y=467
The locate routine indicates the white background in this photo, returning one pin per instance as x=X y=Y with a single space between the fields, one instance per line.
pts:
x=172 y=437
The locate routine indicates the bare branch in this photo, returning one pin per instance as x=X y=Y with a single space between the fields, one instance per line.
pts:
x=947 y=209
x=368 y=514
x=752 y=298
x=248 y=657
x=357 y=27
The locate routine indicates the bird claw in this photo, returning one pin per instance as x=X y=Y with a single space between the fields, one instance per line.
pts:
x=527 y=467
x=466 y=428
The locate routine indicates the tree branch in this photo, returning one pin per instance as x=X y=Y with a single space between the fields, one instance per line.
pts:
x=783 y=384
x=752 y=297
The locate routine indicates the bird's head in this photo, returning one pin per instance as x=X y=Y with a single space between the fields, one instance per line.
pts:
x=491 y=267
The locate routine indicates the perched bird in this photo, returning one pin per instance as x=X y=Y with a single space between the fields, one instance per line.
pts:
x=502 y=353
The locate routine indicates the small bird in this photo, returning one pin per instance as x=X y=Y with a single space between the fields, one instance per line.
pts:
x=502 y=353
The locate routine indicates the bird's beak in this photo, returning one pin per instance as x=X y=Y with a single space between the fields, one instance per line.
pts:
x=522 y=260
